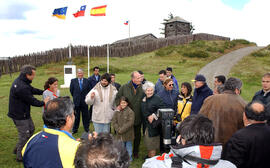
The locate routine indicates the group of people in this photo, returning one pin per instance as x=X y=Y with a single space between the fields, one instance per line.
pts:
x=205 y=121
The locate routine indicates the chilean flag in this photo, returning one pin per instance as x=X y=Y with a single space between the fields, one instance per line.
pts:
x=80 y=12
x=126 y=23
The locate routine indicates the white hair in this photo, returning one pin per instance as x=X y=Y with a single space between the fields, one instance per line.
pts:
x=80 y=70
x=147 y=85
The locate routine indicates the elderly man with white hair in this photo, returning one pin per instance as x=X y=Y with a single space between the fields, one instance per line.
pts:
x=150 y=104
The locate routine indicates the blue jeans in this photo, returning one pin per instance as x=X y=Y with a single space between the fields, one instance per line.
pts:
x=128 y=145
x=99 y=127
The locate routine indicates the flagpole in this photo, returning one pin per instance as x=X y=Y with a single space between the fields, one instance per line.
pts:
x=69 y=53
x=108 y=58
x=88 y=55
x=129 y=32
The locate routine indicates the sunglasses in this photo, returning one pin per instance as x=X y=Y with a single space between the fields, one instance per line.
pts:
x=171 y=84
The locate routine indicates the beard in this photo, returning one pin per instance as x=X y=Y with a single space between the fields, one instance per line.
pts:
x=103 y=85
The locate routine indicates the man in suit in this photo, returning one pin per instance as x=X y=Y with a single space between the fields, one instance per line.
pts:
x=95 y=78
x=79 y=87
x=115 y=84
x=249 y=147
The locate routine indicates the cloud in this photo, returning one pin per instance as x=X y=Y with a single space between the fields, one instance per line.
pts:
x=41 y=31
x=12 y=10
x=22 y=32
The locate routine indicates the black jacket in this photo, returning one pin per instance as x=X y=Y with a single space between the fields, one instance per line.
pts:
x=78 y=94
x=21 y=98
x=249 y=147
x=265 y=99
x=150 y=106
x=199 y=96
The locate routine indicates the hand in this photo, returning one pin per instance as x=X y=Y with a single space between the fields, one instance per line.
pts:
x=93 y=135
x=174 y=123
x=118 y=108
x=46 y=100
x=150 y=119
x=92 y=95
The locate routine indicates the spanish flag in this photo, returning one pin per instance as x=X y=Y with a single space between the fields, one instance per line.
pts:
x=98 y=11
x=60 y=13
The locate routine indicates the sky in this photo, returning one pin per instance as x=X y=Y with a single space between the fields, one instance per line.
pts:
x=28 y=26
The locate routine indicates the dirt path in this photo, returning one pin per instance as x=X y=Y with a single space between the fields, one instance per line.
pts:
x=223 y=64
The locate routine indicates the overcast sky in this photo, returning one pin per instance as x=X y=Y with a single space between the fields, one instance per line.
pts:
x=28 y=25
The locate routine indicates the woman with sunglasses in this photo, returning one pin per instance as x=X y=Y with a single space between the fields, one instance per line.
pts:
x=169 y=97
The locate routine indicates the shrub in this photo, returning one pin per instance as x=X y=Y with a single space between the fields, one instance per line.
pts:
x=165 y=51
x=198 y=43
x=196 y=54
x=261 y=53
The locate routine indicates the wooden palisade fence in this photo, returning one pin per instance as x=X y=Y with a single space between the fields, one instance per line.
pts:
x=14 y=64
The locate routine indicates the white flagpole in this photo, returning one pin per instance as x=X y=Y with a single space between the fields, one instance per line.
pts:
x=108 y=58
x=129 y=32
x=88 y=55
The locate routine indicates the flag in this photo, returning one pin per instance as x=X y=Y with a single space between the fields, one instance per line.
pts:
x=60 y=13
x=80 y=12
x=126 y=23
x=98 y=11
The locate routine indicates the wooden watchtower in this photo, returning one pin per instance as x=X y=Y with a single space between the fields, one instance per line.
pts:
x=177 y=26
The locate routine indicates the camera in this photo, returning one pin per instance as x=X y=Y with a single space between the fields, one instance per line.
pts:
x=167 y=117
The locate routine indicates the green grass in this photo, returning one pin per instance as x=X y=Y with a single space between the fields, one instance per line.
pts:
x=250 y=70
x=184 y=68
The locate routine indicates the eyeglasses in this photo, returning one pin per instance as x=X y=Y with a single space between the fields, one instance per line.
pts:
x=171 y=84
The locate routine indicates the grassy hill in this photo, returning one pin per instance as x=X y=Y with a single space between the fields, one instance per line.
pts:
x=186 y=61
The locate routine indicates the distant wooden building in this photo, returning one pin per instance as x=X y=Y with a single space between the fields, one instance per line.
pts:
x=177 y=26
x=135 y=40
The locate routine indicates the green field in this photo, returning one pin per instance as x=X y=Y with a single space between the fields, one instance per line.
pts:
x=186 y=61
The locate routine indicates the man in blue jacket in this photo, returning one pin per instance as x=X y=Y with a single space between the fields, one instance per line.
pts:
x=201 y=92
x=170 y=75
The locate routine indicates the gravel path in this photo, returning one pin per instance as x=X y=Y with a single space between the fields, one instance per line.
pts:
x=223 y=64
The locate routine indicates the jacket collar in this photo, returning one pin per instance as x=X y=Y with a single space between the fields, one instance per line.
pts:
x=228 y=92
x=202 y=88
x=24 y=78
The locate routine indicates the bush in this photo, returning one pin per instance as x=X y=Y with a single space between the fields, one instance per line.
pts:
x=198 y=43
x=165 y=51
x=196 y=54
x=261 y=53
x=240 y=41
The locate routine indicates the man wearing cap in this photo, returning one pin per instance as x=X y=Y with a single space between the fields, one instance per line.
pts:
x=201 y=92
x=170 y=75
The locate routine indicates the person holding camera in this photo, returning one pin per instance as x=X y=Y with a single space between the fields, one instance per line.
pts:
x=195 y=147
x=150 y=104
x=184 y=102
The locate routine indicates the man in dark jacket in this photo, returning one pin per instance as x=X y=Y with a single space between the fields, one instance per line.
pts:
x=264 y=94
x=249 y=147
x=79 y=88
x=133 y=91
x=20 y=99
x=201 y=92
x=95 y=78
x=115 y=84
